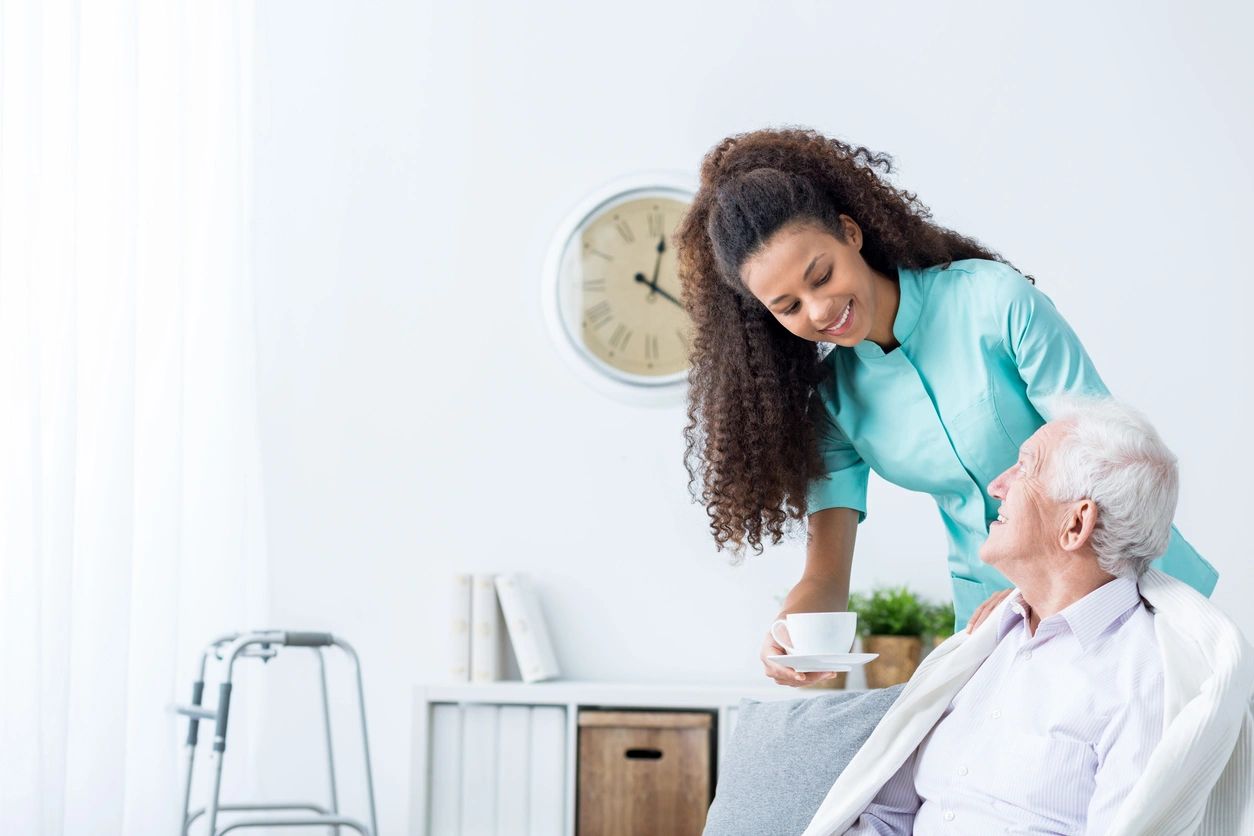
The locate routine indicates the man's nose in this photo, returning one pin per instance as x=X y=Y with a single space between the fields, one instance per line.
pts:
x=996 y=488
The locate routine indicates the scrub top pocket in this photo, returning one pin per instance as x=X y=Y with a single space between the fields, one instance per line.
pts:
x=982 y=443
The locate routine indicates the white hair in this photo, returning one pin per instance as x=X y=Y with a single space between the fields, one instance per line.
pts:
x=1111 y=454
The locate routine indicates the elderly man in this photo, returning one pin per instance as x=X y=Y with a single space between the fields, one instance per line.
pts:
x=1097 y=698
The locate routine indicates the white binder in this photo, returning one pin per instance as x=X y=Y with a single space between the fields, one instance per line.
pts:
x=485 y=628
x=459 y=661
x=527 y=630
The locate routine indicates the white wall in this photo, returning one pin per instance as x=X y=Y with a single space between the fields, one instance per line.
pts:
x=413 y=160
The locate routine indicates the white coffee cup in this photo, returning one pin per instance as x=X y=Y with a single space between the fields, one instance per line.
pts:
x=813 y=633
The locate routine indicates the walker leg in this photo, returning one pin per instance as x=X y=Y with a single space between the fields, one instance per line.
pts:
x=219 y=750
x=365 y=741
x=184 y=824
x=326 y=721
x=193 y=731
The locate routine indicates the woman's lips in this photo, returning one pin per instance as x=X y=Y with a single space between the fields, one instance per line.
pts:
x=843 y=323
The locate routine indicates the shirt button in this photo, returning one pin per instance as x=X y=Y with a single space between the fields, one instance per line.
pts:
x=1027 y=654
x=996 y=714
x=962 y=770
x=949 y=815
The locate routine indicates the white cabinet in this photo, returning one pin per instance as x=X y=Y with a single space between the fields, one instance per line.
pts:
x=499 y=759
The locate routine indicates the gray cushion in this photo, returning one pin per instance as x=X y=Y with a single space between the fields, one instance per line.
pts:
x=784 y=756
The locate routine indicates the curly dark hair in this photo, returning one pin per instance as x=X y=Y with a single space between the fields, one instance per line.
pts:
x=751 y=437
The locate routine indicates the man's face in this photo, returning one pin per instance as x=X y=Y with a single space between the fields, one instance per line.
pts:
x=1028 y=522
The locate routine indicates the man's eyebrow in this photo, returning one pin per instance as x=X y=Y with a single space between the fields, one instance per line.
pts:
x=805 y=277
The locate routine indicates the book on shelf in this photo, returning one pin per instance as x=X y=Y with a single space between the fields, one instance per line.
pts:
x=485 y=630
x=528 y=632
x=459 y=662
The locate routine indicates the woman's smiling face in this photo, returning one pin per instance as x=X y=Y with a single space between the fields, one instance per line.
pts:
x=818 y=286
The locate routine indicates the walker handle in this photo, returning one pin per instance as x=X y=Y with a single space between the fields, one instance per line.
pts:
x=308 y=639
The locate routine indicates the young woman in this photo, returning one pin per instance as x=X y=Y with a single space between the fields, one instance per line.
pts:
x=944 y=361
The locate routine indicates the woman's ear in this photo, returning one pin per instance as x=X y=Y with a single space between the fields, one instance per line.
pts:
x=852 y=232
x=1078 y=524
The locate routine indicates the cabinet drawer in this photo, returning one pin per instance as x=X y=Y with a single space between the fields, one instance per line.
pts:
x=644 y=772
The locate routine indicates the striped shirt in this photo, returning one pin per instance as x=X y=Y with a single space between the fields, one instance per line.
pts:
x=1047 y=736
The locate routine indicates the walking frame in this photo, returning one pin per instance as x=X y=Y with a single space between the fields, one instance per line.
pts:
x=264 y=645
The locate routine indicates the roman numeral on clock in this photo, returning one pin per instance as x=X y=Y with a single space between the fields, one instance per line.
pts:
x=599 y=314
x=655 y=222
x=625 y=231
x=650 y=347
x=621 y=336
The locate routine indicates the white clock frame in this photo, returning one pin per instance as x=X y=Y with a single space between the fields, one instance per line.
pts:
x=630 y=388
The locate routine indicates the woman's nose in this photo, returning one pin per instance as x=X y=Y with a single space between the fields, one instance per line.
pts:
x=820 y=311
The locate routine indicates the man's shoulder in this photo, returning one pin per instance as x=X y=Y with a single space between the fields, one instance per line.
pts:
x=1180 y=609
x=1195 y=635
x=1135 y=654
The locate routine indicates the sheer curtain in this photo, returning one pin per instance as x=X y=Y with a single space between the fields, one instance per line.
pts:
x=131 y=521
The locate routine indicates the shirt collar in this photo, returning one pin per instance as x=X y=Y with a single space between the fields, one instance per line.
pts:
x=1087 y=618
x=909 y=306
x=1015 y=612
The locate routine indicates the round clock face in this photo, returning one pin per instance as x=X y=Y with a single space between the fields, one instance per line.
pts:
x=618 y=288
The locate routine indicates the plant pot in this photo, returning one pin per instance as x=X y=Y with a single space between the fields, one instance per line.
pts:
x=898 y=659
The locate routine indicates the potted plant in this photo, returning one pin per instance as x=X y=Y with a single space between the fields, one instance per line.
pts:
x=940 y=623
x=891 y=621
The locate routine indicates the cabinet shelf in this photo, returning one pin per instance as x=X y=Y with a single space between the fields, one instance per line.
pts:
x=465 y=733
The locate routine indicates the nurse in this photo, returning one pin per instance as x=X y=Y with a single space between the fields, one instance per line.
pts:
x=943 y=359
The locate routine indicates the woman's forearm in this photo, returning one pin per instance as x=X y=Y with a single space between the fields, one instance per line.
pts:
x=824 y=585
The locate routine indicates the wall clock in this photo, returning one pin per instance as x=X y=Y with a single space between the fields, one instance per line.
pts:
x=611 y=289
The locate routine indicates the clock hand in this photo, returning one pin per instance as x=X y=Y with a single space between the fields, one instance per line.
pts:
x=655 y=289
x=669 y=297
x=657 y=265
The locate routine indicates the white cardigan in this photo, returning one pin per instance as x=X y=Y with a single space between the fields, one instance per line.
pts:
x=1199 y=779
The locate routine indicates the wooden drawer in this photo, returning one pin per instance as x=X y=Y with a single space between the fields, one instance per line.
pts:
x=644 y=773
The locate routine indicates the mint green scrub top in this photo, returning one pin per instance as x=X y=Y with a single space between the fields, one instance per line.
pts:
x=981 y=352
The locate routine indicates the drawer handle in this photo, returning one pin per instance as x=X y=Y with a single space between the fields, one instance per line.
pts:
x=644 y=754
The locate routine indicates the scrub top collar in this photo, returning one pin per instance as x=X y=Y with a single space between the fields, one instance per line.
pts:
x=909 y=306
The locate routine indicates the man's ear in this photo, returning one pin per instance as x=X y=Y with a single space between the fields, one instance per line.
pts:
x=1078 y=523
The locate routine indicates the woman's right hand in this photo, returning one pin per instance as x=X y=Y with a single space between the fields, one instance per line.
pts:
x=785 y=675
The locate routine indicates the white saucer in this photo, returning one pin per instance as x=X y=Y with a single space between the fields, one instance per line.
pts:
x=823 y=662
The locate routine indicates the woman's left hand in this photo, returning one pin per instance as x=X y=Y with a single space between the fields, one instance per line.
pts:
x=977 y=618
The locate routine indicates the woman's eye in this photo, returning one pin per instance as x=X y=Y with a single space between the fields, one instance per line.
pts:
x=791 y=309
